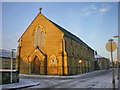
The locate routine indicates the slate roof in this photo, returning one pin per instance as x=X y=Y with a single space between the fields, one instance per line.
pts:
x=70 y=35
x=98 y=56
x=6 y=54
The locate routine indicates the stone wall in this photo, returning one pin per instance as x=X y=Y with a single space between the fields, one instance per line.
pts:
x=6 y=74
x=76 y=52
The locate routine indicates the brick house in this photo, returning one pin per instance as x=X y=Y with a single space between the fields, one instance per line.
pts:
x=5 y=59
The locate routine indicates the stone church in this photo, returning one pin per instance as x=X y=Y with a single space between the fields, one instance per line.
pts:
x=46 y=48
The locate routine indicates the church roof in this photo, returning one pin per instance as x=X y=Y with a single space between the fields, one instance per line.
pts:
x=67 y=33
x=70 y=35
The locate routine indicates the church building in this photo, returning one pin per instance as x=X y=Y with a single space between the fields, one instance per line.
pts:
x=45 y=48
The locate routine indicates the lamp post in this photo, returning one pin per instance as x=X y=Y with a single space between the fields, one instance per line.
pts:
x=116 y=36
x=80 y=62
x=12 y=54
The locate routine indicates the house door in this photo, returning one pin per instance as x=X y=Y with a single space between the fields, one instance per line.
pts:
x=36 y=66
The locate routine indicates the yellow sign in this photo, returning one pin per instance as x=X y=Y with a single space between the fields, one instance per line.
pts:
x=111 y=46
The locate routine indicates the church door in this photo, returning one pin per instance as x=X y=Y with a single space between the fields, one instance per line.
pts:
x=36 y=66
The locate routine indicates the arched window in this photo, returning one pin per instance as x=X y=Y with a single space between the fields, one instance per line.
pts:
x=35 y=39
x=53 y=59
x=25 y=59
x=42 y=38
x=39 y=36
x=24 y=64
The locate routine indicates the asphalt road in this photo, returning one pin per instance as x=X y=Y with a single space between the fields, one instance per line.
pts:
x=97 y=80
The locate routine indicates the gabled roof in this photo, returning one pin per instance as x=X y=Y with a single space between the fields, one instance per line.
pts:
x=98 y=56
x=70 y=35
x=6 y=54
x=67 y=33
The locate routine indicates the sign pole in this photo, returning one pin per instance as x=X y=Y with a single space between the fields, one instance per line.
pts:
x=118 y=63
x=12 y=52
x=11 y=65
x=113 y=78
x=111 y=47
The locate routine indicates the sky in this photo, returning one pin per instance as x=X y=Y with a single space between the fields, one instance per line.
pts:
x=93 y=22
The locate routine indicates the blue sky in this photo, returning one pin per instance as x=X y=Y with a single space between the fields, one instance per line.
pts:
x=94 y=22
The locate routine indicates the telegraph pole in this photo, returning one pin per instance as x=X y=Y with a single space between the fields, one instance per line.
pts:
x=11 y=65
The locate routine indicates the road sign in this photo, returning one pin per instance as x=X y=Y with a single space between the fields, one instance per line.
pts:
x=111 y=46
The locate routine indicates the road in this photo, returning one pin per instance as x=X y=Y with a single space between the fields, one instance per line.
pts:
x=97 y=80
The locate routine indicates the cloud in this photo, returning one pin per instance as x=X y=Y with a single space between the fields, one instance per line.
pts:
x=105 y=8
x=89 y=10
x=93 y=7
x=87 y=13
x=102 y=10
x=95 y=10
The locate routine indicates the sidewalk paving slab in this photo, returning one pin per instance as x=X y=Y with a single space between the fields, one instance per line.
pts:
x=21 y=84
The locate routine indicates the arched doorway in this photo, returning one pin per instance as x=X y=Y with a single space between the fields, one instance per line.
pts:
x=36 y=66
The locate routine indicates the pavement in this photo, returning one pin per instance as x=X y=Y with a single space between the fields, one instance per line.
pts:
x=119 y=84
x=24 y=84
x=119 y=81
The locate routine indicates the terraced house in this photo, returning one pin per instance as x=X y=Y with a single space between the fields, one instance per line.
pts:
x=47 y=48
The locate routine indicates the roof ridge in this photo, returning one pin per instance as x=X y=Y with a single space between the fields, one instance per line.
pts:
x=69 y=34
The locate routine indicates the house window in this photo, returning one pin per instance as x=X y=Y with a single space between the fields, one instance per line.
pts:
x=6 y=66
x=39 y=36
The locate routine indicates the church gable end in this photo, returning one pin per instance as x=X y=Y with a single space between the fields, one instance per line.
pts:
x=42 y=38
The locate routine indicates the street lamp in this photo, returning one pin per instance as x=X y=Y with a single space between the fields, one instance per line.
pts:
x=116 y=36
x=80 y=62
x=12 y=54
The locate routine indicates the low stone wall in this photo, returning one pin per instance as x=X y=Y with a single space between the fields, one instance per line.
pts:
x=5 y=76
